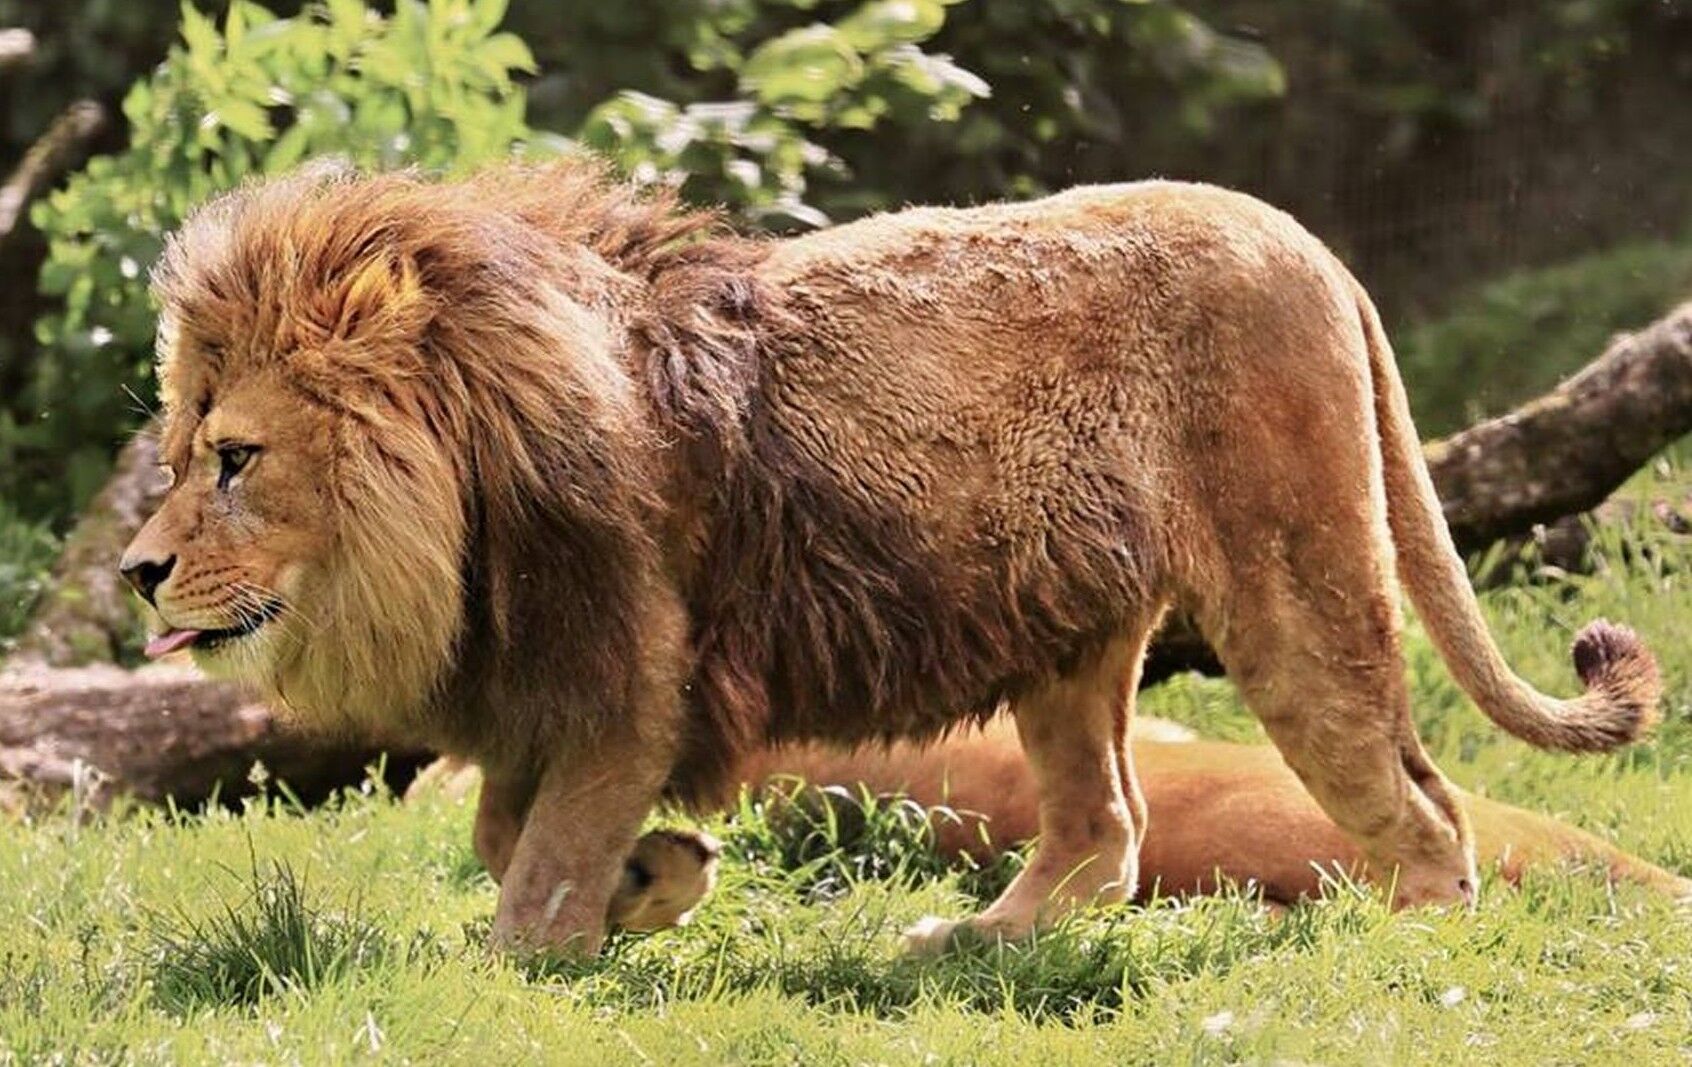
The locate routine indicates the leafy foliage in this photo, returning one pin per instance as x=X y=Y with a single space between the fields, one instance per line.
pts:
x=794 y=113
x=26 y=551
x=805 y=120
x=754 y=151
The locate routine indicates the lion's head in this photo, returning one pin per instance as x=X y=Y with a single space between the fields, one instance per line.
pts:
x=400 y=431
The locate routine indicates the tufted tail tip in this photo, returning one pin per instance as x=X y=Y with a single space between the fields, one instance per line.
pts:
x=1623 y=685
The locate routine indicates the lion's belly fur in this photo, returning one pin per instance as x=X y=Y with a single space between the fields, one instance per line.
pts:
x=980 y=454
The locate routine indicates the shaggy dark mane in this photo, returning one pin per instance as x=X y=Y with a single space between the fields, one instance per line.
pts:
x=813 y=615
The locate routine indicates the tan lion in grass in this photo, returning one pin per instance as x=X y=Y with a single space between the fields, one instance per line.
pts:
x=1219 y=814
x=569 y=482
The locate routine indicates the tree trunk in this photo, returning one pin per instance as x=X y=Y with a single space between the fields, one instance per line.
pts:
x=87 y=614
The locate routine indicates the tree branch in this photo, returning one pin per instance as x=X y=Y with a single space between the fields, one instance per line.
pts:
x=55 y=152
x=1567 y=451
x=17 y=47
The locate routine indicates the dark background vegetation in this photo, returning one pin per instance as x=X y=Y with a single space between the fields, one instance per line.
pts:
x=1511 y=178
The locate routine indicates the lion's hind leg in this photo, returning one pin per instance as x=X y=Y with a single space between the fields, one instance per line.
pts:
x=1074 y=733
x=1306 y=622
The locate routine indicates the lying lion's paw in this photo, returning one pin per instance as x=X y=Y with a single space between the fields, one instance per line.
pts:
x=665 y=877
x=931 y=936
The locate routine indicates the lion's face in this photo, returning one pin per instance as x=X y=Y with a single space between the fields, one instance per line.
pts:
x=301 y=548
x=235 y=560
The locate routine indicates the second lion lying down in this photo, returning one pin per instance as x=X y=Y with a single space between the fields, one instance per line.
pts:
x=1221 y=813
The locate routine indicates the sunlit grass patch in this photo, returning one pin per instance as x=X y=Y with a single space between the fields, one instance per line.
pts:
x=279 y=939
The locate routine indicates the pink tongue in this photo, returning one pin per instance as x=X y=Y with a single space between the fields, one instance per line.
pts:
x=168 y=642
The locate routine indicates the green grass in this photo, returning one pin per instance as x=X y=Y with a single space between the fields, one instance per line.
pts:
x=354 y=933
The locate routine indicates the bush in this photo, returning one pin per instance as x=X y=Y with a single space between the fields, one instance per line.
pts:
x=432 y=85
x=1518 y=336
x=26 y=552
x=753 y=151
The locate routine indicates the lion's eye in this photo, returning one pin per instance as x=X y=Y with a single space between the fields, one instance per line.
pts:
x=231 y=460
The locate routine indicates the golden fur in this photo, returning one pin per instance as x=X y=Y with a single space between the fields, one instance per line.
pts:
x=530 y=469
x=665 y=877
x=1220 y=814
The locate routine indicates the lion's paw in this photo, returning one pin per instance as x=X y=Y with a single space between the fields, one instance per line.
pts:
x=931 y=936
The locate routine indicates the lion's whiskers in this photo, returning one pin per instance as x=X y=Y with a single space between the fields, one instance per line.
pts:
x=267 y=600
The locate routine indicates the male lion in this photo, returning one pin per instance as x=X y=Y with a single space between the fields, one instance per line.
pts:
x=533 y=470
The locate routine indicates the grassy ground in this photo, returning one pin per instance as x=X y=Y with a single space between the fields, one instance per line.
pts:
x=354 y=933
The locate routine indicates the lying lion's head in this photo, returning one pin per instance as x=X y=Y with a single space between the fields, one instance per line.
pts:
x=398 y=429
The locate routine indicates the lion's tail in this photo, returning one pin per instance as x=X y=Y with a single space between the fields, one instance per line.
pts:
x=1619 y=672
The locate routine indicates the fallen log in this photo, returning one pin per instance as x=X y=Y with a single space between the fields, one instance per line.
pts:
x=157 y=734
x=160 y=732
x=1565 y=452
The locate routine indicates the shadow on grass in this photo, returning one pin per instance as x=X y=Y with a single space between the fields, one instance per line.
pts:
x=1077 y=971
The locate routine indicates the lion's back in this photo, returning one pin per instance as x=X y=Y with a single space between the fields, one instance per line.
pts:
x=1122 y=284
x=1088 y=232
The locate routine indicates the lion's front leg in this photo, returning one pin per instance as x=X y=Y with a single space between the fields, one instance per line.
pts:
x=567 y=862
x=500 y=810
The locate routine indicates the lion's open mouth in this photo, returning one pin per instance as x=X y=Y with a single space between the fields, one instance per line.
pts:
x=173 y=640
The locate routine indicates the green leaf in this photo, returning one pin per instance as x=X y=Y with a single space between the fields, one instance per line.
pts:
x=811 y=64
x=244 y=118
x=883 y=23
x=486 y=15
x=198 y=33
x=288 y=150
x=507 y=52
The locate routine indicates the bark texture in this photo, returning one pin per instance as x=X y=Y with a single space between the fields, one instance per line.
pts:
x=86 y=614
x=163 y=731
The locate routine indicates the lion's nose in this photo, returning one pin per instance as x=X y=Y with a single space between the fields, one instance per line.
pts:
x=146 y=575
